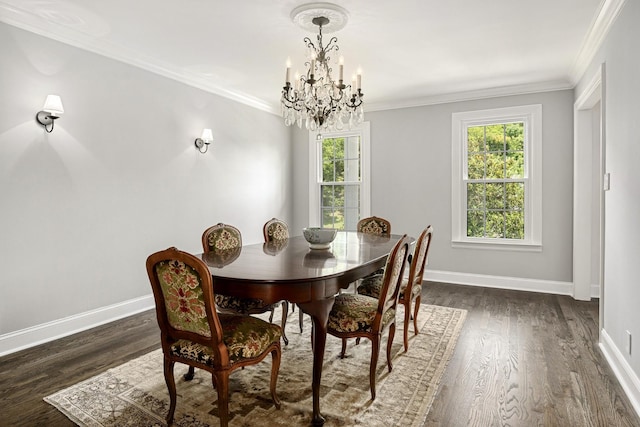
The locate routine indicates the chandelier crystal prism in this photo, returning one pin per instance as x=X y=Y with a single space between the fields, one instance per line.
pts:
x=316 y=98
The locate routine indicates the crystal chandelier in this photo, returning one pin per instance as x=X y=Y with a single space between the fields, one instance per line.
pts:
x=315 y=98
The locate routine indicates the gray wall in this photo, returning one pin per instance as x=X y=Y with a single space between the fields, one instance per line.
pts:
x=119 y=177
x=621 y=54
x=411 y=184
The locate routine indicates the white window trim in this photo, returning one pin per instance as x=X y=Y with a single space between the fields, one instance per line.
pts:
x=531 y=115
x=364 y=131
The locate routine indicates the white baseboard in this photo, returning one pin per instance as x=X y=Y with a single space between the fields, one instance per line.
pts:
x=501 y=282
x=40 y=334
x=622 y=370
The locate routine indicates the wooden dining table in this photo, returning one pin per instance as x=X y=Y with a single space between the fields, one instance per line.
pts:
x=290 y=270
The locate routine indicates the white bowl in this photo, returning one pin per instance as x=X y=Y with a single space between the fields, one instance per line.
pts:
x=319 y=238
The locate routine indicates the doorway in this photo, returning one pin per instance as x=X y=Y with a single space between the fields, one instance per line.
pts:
x=589 y=190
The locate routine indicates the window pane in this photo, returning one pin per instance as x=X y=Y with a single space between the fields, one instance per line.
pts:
x=495 y=196
x=351 y=218
x=327 y=195
x=475 y=224
x=495 y=166
x=328 y=174
x=352 y=170
x=515 y=136
x=515 y=195
x=514 y=225
x=475 y=168
x=495 y=224
x=475 y=196
x=475 y=139
x=515 y=164
x=339 y=168
x=352 y=148
x=332 y=218
x=351 y=195
x=495 y=137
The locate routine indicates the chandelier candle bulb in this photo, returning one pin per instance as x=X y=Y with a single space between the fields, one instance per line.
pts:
x=287 y=78
x=341 y=63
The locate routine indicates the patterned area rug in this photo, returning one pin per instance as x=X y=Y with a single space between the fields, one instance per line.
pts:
x=135 y=394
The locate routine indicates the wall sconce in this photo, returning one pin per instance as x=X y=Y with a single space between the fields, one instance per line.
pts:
x=202 y=143
x=52 y=110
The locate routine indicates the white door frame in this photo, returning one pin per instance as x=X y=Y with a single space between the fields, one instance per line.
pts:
x=588 y=209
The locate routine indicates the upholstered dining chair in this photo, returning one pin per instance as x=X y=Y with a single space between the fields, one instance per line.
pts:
x=361 y=316
x=275 y=231
x=410 y=288
x=193 y=333
x=374 y=225
x=222 y=238
x=378 y=227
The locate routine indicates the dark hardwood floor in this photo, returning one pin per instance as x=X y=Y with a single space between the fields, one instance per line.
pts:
x=523 y=359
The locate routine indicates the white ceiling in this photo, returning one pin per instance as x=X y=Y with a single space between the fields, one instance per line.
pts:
x=411 y=52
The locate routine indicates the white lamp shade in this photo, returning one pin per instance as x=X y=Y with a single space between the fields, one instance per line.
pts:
x=207 y=135
x=53 y=105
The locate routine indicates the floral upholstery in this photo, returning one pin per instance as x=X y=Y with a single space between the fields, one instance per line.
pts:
x=275 y=230
x=182 y=292
x=370 y=286
x=244 y=336
x=223 y=237
x=374 y=225
x=356 y=313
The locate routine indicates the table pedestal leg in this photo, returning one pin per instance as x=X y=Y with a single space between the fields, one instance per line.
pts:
x=319 y=312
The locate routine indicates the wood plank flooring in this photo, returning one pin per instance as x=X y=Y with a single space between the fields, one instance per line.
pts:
x=523 y=359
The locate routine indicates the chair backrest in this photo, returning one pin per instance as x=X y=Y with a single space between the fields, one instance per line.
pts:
x=393 y=272
x=416 y=271
x=275 y=229
x=183 y=293
x=374 y=225
x=221 y=237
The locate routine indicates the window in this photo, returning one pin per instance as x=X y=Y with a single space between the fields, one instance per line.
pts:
x=496 y=177
x=339 y=184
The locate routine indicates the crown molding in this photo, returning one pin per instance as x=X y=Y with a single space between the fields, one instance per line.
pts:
x=602 y=23
x=25 y=20
x=471 y=95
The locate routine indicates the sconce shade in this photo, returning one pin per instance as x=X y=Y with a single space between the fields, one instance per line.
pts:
x=207 y=135
x=53 y=106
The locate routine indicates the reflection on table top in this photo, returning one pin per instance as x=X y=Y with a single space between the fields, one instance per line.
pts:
x=295 y=261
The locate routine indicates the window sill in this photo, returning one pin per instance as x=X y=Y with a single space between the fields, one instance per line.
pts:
x=492 y=244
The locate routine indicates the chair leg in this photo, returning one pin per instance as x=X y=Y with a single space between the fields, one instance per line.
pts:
x=171 y=387
x=415 y=315
x=392 y=334
x=407 y=315
x=221 y=378
x=375 y=349
x=271 y=315
x=189 y=375
x=344 y=348
x=301 y=319
x=275 y=367
x=285 y=312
